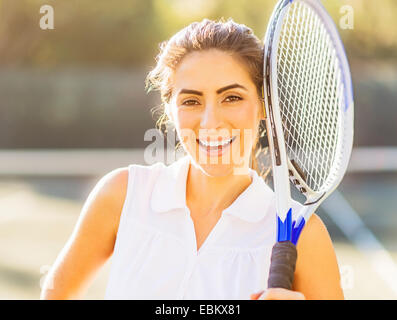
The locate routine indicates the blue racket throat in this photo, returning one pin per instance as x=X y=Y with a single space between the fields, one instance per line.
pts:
x=284 y=227
x=297 y=227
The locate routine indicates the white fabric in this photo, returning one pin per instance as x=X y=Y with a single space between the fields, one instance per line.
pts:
x=155 y=255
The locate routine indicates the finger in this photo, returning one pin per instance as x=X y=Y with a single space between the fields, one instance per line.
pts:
x=255 y=296
x=263 y=295
x=281 y=294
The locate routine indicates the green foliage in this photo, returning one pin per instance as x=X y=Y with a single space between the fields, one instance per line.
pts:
x=126 y=33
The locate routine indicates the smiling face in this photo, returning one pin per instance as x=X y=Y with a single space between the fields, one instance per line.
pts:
x=216 y=111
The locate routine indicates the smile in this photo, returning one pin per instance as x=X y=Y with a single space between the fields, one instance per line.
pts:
x=215 y=146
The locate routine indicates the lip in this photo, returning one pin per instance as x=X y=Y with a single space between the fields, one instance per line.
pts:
x=215 y=150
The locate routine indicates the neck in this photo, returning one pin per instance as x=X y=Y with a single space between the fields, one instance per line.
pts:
x=214 y=193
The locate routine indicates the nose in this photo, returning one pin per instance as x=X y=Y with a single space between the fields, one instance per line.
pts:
x=211 y=117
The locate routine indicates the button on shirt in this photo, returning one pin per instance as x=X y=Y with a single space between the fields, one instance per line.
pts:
x=155 y=254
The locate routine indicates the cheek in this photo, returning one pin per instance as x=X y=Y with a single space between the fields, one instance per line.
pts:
x=186 y=120
x=246 y=118
x=247 y=121
x=185 y=124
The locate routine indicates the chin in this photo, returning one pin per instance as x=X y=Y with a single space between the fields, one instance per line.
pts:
x=220 y=165
x=216 y=170
x=220 y=169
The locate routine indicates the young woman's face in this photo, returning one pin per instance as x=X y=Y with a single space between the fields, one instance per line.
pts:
x=216 y=110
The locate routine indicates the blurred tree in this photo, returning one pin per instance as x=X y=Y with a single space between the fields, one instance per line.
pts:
x=127 y=32
x=60 y=88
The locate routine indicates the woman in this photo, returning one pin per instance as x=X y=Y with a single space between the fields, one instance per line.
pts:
x=203 y=227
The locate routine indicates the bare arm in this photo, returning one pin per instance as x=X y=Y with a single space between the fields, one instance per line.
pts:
x=92 y=240
x=317 y=274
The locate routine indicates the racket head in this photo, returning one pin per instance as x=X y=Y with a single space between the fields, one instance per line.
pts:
x=308 y=99
x=309 y=106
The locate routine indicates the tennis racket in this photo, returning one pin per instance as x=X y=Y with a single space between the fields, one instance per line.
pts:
x=309 y=105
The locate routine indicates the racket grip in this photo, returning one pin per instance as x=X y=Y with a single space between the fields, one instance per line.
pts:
x=282 y=265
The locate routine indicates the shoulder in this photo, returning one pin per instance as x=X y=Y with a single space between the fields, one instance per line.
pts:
x=314 y=229
x=103 y=207
x=317 y=273
x=105 y=201
x=113 y=185
x=315 y=240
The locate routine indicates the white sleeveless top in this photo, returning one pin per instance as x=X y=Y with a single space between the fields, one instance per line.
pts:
x=155 y=254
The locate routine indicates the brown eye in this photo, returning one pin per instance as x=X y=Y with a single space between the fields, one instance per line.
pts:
x=233 y=98
x=190 y=102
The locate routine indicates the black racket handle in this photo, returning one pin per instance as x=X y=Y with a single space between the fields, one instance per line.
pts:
x=282 y=265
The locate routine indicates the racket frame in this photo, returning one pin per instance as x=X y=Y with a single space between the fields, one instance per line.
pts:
x=283 y=169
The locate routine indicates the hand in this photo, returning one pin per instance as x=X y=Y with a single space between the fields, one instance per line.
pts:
x=278 y=294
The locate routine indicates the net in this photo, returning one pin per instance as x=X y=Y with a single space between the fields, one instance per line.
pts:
x=310 y=91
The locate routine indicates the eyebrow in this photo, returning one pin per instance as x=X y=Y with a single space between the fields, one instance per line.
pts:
x=219 y=91
x=232 y=86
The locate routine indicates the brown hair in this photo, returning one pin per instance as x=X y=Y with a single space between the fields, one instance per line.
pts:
x=229 y=36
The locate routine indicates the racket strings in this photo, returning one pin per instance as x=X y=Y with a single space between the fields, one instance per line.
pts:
x=310 y=93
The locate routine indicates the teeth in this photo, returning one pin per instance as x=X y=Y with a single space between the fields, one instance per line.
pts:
x=212 y=144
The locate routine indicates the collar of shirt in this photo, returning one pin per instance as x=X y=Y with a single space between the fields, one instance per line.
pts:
x=170 y=193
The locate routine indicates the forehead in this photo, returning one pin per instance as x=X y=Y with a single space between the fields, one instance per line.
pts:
x=210 y=69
